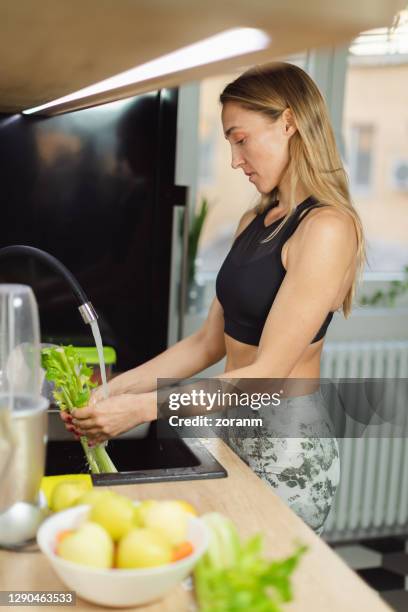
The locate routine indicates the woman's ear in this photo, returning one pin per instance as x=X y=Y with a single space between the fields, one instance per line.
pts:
x=289 y=124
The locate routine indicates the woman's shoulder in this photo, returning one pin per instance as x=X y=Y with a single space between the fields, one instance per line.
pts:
x=326 y=217
x=328 y=222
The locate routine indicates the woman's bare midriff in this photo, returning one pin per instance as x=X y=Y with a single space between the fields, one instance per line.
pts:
x=240 y=355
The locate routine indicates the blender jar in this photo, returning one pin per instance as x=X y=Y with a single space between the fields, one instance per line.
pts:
x=23 y=415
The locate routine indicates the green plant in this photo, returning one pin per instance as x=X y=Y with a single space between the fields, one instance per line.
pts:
x=194 y=238
x=387 y=298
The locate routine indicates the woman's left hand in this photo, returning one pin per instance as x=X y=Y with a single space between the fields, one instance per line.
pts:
x=105 y=419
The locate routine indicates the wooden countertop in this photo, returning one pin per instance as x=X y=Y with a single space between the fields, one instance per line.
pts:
x=322 y=581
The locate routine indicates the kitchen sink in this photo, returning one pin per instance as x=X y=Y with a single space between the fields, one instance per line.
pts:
x=153 y=453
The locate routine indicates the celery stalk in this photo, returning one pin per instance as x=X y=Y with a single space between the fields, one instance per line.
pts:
x=90 y=456
x=72 y=380
x=103 y=460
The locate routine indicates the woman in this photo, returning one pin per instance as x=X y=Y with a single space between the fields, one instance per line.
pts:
x=293 y=263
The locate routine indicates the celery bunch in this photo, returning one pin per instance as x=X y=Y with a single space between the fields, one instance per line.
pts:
x=72 y=389
x=233 y=575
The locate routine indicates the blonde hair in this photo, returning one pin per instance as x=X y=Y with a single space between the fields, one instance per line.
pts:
x=314 y=159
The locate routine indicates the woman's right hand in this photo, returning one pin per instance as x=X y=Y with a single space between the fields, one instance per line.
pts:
x=97 y=395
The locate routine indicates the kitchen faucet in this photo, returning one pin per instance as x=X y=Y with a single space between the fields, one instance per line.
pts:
x=86 y=309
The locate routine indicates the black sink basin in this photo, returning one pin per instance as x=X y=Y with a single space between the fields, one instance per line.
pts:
x=160 y=456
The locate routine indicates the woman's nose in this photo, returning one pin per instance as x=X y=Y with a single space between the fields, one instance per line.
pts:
x=236 y=160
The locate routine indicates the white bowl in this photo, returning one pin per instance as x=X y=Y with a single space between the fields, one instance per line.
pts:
x=117 y=587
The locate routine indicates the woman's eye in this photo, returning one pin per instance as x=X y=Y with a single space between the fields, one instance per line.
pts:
x=241 y=141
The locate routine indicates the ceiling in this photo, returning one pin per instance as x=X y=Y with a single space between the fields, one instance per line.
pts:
x=50 y=48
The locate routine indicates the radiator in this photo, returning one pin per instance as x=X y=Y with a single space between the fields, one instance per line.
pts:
x=372 y=497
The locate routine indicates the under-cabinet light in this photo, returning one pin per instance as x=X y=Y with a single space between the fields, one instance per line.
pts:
x=230 y=43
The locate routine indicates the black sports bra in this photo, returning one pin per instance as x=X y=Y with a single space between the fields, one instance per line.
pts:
x=252 y=273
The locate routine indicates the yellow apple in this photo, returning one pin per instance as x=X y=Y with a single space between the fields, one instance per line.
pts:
x=186 y=506
x=116 y=514
x=93 y=496
x=90 y=545
x=170 y=518
x=66 y=494
x=143 y=547
x=142 y=509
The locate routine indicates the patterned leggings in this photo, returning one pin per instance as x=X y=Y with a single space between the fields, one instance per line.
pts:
x=304 y=466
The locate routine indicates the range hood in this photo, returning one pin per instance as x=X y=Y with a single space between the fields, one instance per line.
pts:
x=51 y=48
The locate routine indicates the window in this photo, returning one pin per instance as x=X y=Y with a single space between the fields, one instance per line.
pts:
x=360 y=153
x=376 y=142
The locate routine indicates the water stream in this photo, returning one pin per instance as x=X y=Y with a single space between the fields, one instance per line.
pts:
x=99 y=348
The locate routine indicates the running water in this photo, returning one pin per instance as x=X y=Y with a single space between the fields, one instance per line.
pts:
x=99 y=348
x=98 y=460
